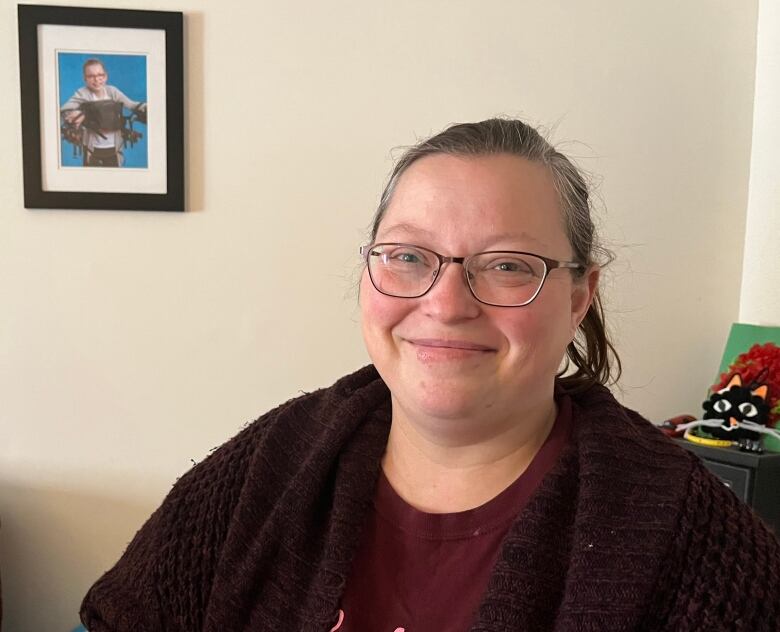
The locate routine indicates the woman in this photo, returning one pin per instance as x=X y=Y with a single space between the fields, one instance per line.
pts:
x=458 y=483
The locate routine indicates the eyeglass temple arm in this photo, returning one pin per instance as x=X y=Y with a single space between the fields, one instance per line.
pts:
x=573 y=265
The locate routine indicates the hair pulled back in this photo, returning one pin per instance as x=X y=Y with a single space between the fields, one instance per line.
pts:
x=591 y=352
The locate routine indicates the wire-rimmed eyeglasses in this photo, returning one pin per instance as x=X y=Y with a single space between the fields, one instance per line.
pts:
x=503 y=278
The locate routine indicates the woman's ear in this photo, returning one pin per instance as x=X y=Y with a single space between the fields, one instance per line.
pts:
x=583 y=292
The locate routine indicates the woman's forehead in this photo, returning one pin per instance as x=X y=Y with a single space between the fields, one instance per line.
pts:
x=500 y=171
x=496 y=197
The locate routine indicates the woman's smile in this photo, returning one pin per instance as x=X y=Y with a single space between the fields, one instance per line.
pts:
x=431 y=350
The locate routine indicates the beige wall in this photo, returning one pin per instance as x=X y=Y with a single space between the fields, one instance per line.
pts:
x=131 y=343
x=760 y=296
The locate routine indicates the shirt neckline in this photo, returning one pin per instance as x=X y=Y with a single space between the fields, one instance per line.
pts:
x=495 y=513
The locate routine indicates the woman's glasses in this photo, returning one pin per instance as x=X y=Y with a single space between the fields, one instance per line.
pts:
x=501 y=278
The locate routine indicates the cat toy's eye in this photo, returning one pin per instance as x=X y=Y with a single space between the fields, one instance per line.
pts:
x=722 y=405
x=748 y=410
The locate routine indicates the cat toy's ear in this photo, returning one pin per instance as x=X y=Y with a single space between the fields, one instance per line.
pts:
x=761 y=391
x=736 y=380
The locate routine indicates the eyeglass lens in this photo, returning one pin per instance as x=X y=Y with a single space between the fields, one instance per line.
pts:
x=499 y=278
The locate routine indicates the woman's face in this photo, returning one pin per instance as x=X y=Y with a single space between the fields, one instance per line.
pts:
x=445 y=355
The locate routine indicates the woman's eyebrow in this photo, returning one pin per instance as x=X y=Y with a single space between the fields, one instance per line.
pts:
x=407 y=228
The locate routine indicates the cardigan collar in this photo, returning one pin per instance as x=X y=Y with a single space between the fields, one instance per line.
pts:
x=299 y=519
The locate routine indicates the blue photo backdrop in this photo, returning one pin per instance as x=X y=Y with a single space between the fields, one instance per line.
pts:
x=126 y=73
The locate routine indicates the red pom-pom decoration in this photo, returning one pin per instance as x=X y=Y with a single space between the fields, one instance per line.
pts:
x=761 y=364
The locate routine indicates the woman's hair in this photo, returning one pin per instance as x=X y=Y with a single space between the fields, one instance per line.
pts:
x=591 y=351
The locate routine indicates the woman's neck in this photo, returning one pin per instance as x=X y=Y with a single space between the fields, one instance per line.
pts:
x=440 y=474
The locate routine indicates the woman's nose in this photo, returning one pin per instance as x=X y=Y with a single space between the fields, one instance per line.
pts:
x=450 y=298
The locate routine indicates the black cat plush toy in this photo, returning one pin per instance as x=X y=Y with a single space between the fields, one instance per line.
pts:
x=743 y=413
x=735 y=415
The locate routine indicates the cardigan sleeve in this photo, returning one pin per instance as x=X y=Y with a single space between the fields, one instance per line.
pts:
x=163 y=580
x=722 y=571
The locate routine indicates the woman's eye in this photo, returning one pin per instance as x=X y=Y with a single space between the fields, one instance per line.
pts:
x=722 y=405
x=748 y=409
x=516 y=267
x=406 y=257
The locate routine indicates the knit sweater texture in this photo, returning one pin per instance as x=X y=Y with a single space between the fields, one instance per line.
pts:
x=627 y=532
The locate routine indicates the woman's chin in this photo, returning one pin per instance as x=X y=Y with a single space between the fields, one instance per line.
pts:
x=450 y=404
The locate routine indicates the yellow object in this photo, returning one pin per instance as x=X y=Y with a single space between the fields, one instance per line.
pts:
x=715 y=443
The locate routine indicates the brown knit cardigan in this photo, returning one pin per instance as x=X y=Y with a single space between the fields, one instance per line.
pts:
x=627 y=532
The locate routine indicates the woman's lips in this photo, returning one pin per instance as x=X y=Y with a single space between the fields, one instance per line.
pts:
x=438 y=349
x=449 y=344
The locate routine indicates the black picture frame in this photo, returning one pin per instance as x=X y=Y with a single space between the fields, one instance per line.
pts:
x=170 y=167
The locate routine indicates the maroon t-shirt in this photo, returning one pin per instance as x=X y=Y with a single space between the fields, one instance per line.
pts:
x=417 y=572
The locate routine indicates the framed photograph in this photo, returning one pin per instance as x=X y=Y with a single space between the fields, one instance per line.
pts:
x=102 y=108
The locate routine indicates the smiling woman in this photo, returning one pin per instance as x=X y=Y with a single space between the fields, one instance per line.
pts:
x=467 y=479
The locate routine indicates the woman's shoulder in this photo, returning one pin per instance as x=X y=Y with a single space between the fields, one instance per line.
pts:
x=627 y=468
x=604 y=427
x=302 y=422
x=721 y=564
x=627 y=460
x=636 y=486
x=177 y=551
